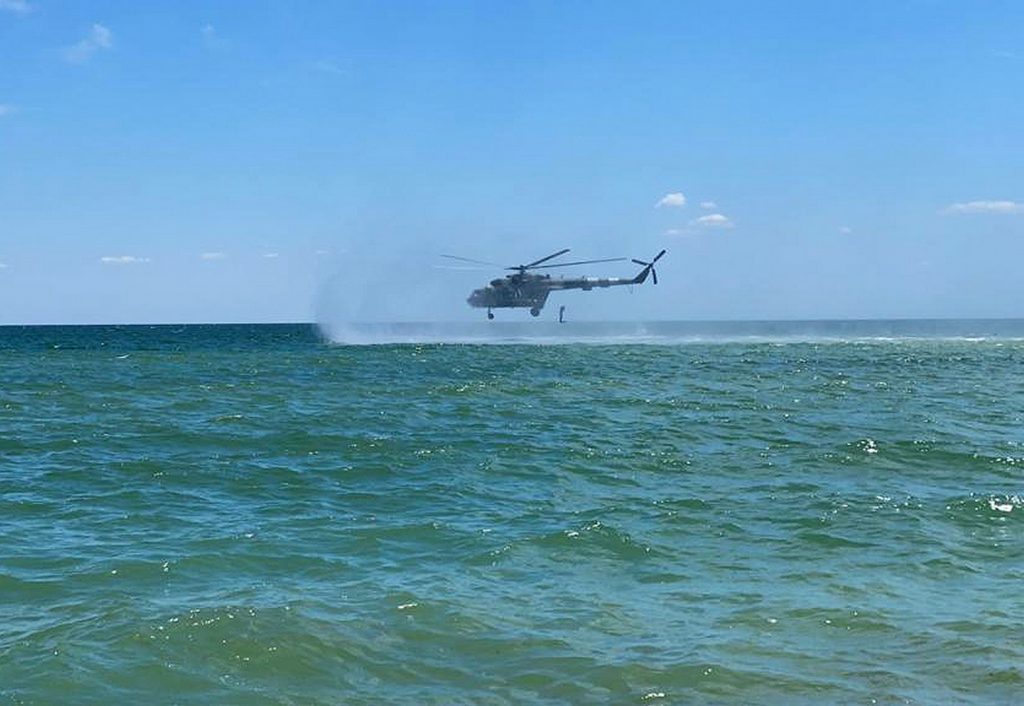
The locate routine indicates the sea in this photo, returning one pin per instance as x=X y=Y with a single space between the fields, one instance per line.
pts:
x=519 y=513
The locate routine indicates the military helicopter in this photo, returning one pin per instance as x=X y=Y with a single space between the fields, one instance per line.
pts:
x=524 y=289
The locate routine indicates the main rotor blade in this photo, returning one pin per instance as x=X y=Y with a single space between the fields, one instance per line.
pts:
x=658 y=257
x=654 y=274
x=640 y=262
x=475 y=262
x=580 y=262
x=543 y=259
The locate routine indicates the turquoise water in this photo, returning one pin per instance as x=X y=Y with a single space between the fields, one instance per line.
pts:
x=252 y=515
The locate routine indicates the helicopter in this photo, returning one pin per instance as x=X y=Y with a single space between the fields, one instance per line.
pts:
x=524 y=289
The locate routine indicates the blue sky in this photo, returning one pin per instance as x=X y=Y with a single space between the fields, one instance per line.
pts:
x=214 y=161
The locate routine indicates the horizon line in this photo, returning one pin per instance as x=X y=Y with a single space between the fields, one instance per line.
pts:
x=921 y=319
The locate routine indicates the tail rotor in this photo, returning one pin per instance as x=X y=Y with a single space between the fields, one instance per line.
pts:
x=648 y=268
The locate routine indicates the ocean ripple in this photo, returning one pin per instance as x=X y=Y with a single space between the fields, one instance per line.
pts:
x=251 y=515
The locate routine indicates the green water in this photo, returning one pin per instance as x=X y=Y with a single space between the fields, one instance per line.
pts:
x=251 y=515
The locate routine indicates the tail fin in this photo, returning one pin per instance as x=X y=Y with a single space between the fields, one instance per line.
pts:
x=648 y=269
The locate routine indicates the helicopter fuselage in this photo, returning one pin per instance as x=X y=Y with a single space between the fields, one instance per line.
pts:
x=531 y=291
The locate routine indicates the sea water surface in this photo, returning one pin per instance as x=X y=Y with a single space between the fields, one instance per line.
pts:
x=825 y=513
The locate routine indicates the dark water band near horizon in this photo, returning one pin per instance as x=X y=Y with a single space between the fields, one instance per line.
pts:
x=773 y=513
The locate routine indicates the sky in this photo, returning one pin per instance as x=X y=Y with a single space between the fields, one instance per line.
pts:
x=287 y=161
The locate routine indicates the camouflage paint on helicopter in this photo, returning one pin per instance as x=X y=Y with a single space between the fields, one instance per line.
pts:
x=524 y=289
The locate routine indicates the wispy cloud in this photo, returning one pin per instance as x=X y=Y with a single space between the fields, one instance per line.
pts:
x=3 y=266
x=708 y=205
x=211 y=39
x=6 y=109
x=99 y=38
x=1003 y=207
x=213 y=256
x=123 y=260
x=672 y=200
x=327 y=66
x=845 y=230
x=271 y=255
x=713 y=220
x=18 y=7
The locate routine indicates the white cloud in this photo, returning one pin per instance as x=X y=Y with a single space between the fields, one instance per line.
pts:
x=676 y=232
x=98 y=38
x=986 y=207
x=123 y=260
x=3 y=266
x=6 y=109
x=713 y=220
x=18 y=7
x=674 y=200
x=213 y=256
x=271 y=255
x=322 y=252
x=845 y=230
x=708 y=205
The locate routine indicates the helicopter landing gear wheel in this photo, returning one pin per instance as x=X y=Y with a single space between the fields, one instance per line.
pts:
x=490 y=315
x=534 y=311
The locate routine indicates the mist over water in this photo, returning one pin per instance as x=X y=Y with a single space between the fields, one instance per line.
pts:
x=382 y=284
x=546 y=332
x=381 y=294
